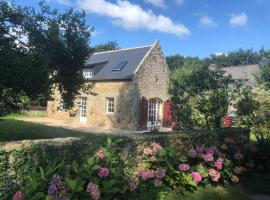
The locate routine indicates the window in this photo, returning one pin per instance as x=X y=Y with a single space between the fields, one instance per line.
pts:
x=110 y=105
x=154 y=109
x=87 y=73
x=120 y=66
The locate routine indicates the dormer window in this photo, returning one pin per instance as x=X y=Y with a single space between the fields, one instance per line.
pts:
x=119 y=66
x=87 y=73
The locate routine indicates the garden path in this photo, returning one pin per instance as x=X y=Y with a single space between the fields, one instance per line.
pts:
x=84 y=127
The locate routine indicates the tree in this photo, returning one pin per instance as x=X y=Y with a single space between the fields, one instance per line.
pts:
x=200 y=96
x=54 y=53
x=17 y=73
x=108 y=46
x=178 y=61
x=264 y=76
x=61 y=42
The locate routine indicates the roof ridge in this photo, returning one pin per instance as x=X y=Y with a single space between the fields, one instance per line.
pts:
x=124 y=49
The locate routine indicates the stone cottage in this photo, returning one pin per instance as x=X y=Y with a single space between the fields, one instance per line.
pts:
x=130 y=87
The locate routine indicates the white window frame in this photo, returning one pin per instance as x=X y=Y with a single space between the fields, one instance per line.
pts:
x=87 y=73
x=110 y=105
x=154 y=109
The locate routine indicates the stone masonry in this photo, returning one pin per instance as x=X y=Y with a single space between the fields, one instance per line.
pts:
x=150 y=80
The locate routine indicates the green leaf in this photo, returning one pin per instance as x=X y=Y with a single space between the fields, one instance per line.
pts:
x=42 y=173
x=72 y=184
x=39 y=195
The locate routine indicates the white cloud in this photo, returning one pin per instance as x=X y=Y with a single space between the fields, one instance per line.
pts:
x=179 y=2
x=158 y=3
x=133 y=17
x=206 y=21
x=65 y=2
x=239 y=19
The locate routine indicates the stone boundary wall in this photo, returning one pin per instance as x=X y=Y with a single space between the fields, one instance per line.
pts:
x=17 y=145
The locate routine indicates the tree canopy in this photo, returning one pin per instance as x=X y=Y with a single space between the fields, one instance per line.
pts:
x=200 y=96
x=108 y=46
x=41 y=49
x=233 y=58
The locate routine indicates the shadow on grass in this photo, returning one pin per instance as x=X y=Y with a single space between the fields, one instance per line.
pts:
x=14 y=130
x=258 y=183
x=213 y=193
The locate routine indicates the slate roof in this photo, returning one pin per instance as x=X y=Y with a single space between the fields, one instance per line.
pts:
x=102 y=63
x=244 y=72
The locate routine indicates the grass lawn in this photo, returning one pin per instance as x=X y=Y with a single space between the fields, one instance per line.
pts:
x=13 y=130
x=255 y=184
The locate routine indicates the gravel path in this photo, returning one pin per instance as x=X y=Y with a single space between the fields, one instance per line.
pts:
x=84 y=127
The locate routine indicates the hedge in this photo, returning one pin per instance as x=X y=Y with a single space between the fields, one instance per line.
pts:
x=15 y=165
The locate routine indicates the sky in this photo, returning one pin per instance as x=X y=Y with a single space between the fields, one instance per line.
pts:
x=186 y=27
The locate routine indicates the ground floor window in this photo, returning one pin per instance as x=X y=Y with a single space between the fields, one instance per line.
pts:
x=154 y=110
x=110 y=105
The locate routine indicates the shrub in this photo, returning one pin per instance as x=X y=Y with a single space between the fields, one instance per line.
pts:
x=18 y=164
x=200 y=96
x=105 y=175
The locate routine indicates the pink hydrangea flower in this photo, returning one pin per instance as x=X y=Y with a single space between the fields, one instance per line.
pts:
x=18 y=196
x=156 y=148
x=238 y=156
x=146 y=174
x=200 y=148
x=234 y=179
x=157 y=182
x=147 y=151
x=208 y=158
x=214 y=175
x=211 y=150
x=93 y=190
x=100 y=154
x=192 y=153
x=160 y=173
x=196 y=177
x=224 y=147
x=184 y=167
x=218 y=164
x=103 y=172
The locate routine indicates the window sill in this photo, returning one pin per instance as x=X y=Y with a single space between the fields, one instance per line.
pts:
x=109 y=114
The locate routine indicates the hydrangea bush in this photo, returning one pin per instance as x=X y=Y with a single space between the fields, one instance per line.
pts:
x=105 y=175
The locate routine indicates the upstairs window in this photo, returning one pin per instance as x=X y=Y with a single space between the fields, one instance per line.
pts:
x=110 y=105
x=87 y=73
x=120 y=66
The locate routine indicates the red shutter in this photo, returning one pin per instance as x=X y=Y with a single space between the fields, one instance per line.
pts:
x=143 y=113
x=167 y=114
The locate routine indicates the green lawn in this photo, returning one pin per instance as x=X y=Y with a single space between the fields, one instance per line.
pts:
x=213 y=193
x=255 y=184
x=13 y=130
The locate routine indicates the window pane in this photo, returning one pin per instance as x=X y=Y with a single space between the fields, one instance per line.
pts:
x=110 y=105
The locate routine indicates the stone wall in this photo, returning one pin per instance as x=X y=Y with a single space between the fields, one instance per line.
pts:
x=121 y=91
x=152 y=78
x=150 y=81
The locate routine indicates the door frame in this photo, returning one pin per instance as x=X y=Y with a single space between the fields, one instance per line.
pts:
x=157 y=103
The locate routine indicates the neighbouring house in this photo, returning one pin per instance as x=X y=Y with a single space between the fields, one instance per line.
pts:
x=246 y=73
x=131 y=90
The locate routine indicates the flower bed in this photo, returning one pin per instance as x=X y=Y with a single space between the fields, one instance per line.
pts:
x=108 y=174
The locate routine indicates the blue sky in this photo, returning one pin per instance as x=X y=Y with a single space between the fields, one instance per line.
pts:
x=187 y=27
